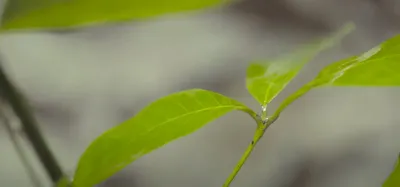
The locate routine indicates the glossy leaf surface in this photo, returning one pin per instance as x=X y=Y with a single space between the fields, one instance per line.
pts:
x=266 y=79
x=39 y=14
x=379 y=66
x=162 y=121
x=394 y=178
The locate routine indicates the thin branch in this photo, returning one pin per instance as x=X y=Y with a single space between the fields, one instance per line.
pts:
x=30 y=127
x=241 y=162
x=20 y=151
x=262 y=126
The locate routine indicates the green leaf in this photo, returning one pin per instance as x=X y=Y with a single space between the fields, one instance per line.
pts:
x=38 y=14
x=323 y=78
x=394 y=178
x=266 y=79
x=379 y=66
x=161 y=122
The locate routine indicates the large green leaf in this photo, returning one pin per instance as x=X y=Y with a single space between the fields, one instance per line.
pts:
x=266 y=79
x=164 y=120
x=394 y=178
x=379 y=66
x=29 y=14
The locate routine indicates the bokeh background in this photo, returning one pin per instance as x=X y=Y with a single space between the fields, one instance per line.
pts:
x=81 y=82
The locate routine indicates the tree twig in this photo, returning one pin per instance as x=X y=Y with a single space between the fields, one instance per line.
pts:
x=19 y=106
x=20 y=151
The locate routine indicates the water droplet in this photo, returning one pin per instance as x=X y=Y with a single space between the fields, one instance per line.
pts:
x=264 y=108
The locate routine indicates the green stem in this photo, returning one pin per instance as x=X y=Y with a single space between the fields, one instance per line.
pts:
x=261 y=128
x=257 y=136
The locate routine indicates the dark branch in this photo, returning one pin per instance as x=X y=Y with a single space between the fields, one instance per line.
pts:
x=21 y=109
x=19 y=149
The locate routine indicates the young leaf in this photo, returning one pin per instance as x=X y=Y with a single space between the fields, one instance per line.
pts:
x=38 y=14
x=377 y=67
x=324 y=77
x=266 y=79
x=161 y=122
x=394 y=178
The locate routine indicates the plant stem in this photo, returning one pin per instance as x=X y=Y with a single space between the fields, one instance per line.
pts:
x=30 y=127
x=246 y=155
x=261 y=128
x=20 y=151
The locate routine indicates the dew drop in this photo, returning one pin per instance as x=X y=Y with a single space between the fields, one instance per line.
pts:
x=264 y=108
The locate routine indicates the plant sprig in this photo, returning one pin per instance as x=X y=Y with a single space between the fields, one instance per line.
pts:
x=182 y=113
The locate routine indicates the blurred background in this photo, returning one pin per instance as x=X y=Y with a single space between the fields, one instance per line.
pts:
x=81 y=82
